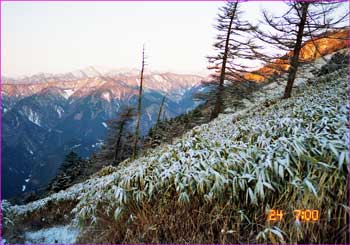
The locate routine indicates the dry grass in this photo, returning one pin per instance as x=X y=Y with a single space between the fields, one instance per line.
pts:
x=168 y=221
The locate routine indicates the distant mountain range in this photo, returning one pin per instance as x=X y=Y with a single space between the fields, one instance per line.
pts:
x=47 y=115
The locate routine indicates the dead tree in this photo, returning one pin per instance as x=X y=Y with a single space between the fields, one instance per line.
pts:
x=139 y=106
x=125 y=117
x=160 y=110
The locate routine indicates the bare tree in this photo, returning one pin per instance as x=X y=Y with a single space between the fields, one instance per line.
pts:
x=139 y=106
x=117 y=144
x=125 y=117
x=160 y=110
x=232 y=47
x=302 y=10
x=303 y=21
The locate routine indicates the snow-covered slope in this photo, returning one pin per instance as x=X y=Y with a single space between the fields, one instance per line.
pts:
x=245 y=157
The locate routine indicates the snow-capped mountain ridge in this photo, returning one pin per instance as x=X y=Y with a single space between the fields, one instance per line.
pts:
x=87 y=72
x=120 y=86
x=51 y=117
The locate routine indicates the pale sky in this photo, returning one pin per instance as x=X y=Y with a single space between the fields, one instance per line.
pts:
x=57 y=37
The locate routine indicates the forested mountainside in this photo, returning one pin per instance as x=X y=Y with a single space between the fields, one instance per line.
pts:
x=44 y=117
x=237 y=97
x=219 y=179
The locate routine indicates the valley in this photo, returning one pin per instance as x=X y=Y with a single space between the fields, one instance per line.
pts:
x=46 y=116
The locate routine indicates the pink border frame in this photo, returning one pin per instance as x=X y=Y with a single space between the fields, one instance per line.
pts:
x=1 y=1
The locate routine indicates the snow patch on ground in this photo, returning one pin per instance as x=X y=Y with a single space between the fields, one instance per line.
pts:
x=104 y=124
x=58 y=234
x=23 y=187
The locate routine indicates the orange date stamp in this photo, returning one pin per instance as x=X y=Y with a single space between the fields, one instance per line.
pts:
x=299 y=215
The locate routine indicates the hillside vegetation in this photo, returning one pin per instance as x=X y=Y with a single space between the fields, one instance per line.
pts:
x=216 y=183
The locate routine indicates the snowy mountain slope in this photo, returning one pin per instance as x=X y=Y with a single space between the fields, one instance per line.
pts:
x=276 y=152
x=122 y=84
x=44 y=119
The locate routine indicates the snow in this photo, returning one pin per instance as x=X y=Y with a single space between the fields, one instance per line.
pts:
x=106 y=96
x=23 y=188
x=98 y=144
x=104 y=124
x=75 y=146
x=149 y=115
x=29 y=150
x=59 y=111
x=202 y=89
x=27 y=180
x=32 y=116
x=58 y=234
x=159 y=78
x=68 y=93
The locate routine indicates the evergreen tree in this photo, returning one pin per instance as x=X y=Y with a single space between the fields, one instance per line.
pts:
x=119 y=127
x=70 y=160
x=68 y=174
x=232 y=46
x=118 y=136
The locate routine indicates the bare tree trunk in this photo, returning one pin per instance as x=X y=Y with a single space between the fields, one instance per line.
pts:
x=219 y=92
x=118 y=141
x=295 y=59
x=138 y=115
x=160 y=111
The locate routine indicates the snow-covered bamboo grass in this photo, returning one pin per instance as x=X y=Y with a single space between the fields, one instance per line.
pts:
x=296 y=147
